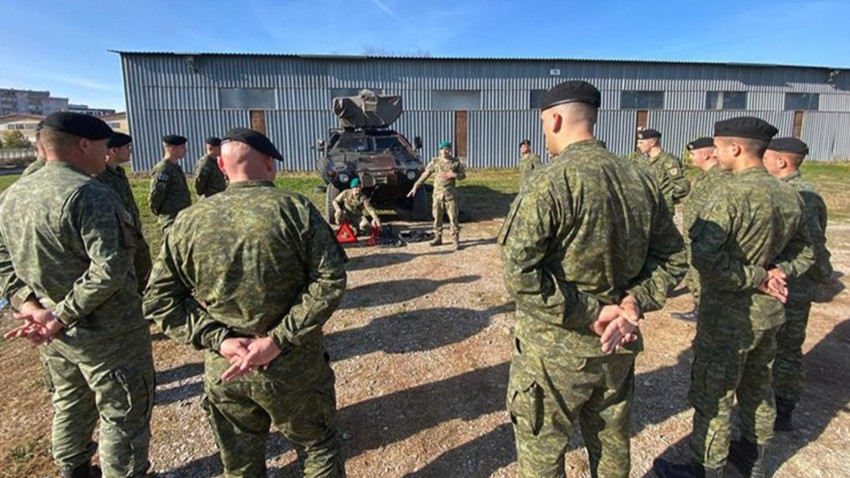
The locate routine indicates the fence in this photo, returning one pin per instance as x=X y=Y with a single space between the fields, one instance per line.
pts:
x=16 y=157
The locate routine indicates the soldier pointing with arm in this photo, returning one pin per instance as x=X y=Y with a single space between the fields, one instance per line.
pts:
x=446 y=170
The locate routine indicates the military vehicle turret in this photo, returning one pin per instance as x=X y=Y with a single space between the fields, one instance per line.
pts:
x=365 y=147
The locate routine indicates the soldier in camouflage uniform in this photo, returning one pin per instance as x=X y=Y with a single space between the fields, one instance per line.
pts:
x=702 y=156
x=76 y=292
x=258 y=316
x=169 y=193
x=586 y=247
x=209 y=179
x=667 y=168
x=528 y=161
x=447 y=170
x=352 y=206
x=782 y=160
x=114 y=176
x=747 y=241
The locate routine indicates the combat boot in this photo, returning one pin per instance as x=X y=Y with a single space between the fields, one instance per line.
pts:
x=86 y=470
x=748 y=458
x=437 y=241
x=784 y=411
x=667 y=469
x=456 y=242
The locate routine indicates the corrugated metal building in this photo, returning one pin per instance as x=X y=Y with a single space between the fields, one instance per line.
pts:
x=485 y=106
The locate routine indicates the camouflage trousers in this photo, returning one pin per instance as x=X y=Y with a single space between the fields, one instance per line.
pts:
x=142 y=262
x=357 y=220
x=296 y=394
x=113 y=382
x=548 y=395
x=721 y=372
x=789 y=372
x=165 y=221
x=692 y=281
x=449 y=205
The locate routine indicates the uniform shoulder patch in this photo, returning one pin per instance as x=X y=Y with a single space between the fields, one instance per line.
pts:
x=163 y=177
x=674 y=171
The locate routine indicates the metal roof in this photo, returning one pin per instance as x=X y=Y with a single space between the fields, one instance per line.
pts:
x=310 y=56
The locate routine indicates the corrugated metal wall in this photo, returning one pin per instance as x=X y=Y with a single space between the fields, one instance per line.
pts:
x=164 y=95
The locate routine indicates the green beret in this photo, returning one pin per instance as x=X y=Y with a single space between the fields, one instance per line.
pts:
x=445 y=144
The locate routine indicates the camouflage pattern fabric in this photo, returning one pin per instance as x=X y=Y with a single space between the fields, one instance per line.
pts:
x=209 y=179
x=169 y=193
x=354 y=207
x=789 y=373
x=670 y=175
x=116 y=179
x=589 y=230
x=34 y=166
x=528 y=162
x=750 y=223
x=100 y=366
x=269 y=266
x=703 y=186
x=445 y=191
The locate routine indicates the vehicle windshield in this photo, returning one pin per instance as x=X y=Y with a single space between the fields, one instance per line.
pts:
x=389 y=143
x=360 y=144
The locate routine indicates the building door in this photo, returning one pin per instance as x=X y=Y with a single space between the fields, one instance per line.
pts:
x=461 y=134
x=258 y=121
x=641 y=119
x=798 y=124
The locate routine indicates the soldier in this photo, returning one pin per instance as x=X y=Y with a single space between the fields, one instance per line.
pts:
x=667 y=168
x=782 y=160
x=209 y=179
x=169 y=193
x=702 y=156
x=352 y=206
x=745 y=242
x=258 y=316
x=586 y=247
x=114 y=176
x=447 y=170
x=528 y=161
x=75 y=289
x=39 y=160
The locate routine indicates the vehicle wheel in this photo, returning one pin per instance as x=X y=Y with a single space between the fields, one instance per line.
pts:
x=420 y=209
x=330 y=195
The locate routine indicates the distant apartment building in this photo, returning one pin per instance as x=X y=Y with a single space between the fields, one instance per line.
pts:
x=84 y=109
x=30 y=102
x=117 y=121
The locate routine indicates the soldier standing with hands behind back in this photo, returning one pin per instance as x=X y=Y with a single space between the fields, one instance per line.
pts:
x=447 y=170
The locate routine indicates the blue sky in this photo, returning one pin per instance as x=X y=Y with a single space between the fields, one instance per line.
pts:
x=62 y=46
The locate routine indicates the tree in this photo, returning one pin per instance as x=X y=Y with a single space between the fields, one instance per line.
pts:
x=15 y=139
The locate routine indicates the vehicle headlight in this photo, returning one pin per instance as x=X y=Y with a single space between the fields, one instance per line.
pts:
x=411 y=175
x=344 y=177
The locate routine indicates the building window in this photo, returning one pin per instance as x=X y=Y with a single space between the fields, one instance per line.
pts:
x=456 y=100
x=114 y=124
x=535 y=100
x=248 y=98
x=725 y=100
x=642 y=100
x=802 y=101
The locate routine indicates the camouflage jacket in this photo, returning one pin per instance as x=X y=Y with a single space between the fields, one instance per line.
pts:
x=262 y=261
x=65 y=239
x=116 y=179
x=815 y=217
x=354 y=203
x=589 y=230
x=209 y=179
x=750 y=223
x=528 y=162
x=34 y=166
x=670 y=175
x=443 y=187
x=705 y=183
x=169 y=193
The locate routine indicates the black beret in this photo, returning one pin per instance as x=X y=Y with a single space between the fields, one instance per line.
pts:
x=253 y=139
x=213 y=141
x=77 y=124
x=700 y=143
x=574 y=91
x=745 y=127
x=174 y=139
x=525 y=141
x=648 y=134
x=789 y=145
x=118 y=139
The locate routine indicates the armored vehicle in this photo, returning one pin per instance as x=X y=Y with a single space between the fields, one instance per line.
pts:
x=365 y=147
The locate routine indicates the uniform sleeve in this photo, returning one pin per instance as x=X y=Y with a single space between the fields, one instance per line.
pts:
x=526 y=237
x=716 y=266
x=461 y=171
x=169 y=302
x=666 y=261
x=680 y=182
x=202 y=176
x=367 y=205
x=816 y=219
x=535 y=162
x=798 y=255
x=11 y=286
x=338 y=201
x=97 y=219
x=429 y=170
x=326 y=283
x=159 y=188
